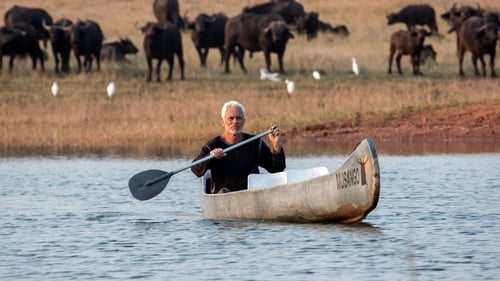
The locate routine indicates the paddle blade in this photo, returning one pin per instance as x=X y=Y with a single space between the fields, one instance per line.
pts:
x=145 y=185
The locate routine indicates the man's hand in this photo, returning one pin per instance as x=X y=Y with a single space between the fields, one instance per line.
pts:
x=275 y=138
x=218 y=153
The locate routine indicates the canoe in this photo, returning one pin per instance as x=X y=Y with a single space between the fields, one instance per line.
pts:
x=346 y=195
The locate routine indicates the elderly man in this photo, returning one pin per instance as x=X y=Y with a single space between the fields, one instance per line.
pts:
x=230 y=170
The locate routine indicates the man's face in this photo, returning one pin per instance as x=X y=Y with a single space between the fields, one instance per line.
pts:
x=233 y=120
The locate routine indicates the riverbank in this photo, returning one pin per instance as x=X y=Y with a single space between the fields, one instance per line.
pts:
x=469 y=128
x=177 y=117
x=470 y=123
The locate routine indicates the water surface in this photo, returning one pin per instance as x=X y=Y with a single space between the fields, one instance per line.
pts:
x=73 y=218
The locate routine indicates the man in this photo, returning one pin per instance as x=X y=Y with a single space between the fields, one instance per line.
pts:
x=230 y=170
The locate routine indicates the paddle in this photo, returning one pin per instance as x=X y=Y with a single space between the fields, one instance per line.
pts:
x=146 y=185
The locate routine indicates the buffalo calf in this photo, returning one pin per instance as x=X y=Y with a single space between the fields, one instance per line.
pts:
x=427 y=53
x=405 y=42
x=117 y=50
x=340 y=30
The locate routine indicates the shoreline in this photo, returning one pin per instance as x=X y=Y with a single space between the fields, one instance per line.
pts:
x=471 y=123
x=473 y=128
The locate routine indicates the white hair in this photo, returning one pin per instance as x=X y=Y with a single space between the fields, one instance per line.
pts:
x=231 y=104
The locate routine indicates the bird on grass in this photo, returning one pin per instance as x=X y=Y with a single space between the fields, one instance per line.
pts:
x=111 y=89
x=355 y=67
x=266 y=75
x=290 y=86
x=316 y=75
x=55 y=89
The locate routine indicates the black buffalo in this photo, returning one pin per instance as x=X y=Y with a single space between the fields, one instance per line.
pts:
x=455 y=16
x=86 y=40
x=340 y=30
x=252 y=32
x=20 y=40
x=478 y=36
x=208 y=32
x=413 y=15
x=168 y=11
x=117 y=50
x=427 y=53
x=32 y=16
x=162 y=42
x=60 y=42
x=292 y=12
x=309 y=24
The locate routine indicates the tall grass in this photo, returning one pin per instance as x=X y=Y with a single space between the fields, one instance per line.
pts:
x=165 y=118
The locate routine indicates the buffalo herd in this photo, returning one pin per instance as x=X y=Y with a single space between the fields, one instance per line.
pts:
x=267 y=27
x=476 y=32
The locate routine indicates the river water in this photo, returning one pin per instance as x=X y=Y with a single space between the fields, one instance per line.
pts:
x=73 y=218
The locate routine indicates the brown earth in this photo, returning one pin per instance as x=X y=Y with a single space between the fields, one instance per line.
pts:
x=470 y=123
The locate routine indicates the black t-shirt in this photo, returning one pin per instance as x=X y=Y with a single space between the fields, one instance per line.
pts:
x=232 y=170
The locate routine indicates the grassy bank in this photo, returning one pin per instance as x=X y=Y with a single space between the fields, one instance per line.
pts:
x=172 y=117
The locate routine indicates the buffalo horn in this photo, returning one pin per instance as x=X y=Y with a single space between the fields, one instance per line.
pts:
x=18 y=31
x=47 y=27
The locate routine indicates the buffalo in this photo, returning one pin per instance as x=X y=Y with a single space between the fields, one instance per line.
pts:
x=268 y=33
x=86 y=40
x=457 y=15
x=413 y=15
x=478 y=36
x=162 y=42
x=32 y=16
x=340 y=30
x=404 y=42
x=117 y=50
x=309 y=24
x=427 y=53
x=168 y=11
x=20 y=40
x=208 y=32
x=60 y=42
x=292 y=12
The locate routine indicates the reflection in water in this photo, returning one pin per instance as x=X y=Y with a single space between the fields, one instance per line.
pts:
x=73 y=218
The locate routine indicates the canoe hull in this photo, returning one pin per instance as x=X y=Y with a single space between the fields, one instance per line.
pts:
x=346 y=195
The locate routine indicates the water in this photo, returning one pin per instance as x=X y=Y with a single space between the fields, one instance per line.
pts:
x=73 y=218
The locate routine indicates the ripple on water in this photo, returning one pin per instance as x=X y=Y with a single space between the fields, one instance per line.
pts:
x=66 y=218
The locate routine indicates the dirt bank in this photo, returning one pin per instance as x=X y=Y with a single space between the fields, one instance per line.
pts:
x=474 y=123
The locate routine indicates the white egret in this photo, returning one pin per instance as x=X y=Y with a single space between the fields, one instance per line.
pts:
x=316 y=75
x=55 y=89
x=111 y=89
x=290 y=86
x=263 y=74
x=266 y=75
x=355 y=67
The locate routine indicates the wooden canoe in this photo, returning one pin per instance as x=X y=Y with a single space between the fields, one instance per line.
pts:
x=347 y=195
